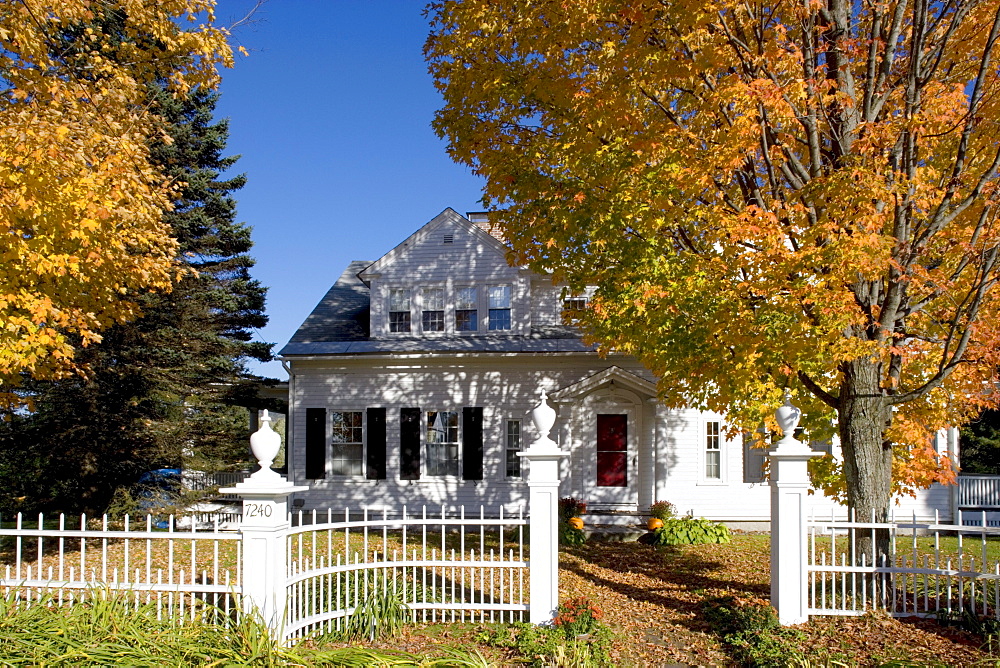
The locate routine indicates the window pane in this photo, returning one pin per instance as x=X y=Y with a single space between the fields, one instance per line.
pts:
x=399 y=321
x=573 y=307
x=433 y=321
x=712 y=465
x=466 y=321
x=466 y=298
x=513 y=447
x=347 y=454
x=399 y=310
x=433 y=299
x=713 y=451
x=442 y=443
x=399 y=300
x=499 y=296
x=499 y=318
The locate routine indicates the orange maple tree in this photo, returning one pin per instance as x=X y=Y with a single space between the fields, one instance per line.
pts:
x=80 y=204
x=765 y=195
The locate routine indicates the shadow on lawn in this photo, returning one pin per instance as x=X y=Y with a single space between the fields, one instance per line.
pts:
x=680 y=570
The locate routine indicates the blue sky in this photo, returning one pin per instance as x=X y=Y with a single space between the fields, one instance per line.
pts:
x=331 y=114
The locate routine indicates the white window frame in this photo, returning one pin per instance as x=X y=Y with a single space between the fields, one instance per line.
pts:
x=425 y=460
x=331 y=443
x=509 y=308
x=507 y=449
x=389 y=310
x=423 y=308
x=704 y=448
x=478 y=309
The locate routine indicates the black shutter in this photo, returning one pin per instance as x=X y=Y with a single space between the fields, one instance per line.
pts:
x=472 y=443
x=409 y=444
x=376 y=444
x=316 y=443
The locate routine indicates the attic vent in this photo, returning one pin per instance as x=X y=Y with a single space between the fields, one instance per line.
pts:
x=449 y=238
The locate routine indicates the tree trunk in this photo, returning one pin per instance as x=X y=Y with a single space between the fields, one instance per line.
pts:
x=864 y=417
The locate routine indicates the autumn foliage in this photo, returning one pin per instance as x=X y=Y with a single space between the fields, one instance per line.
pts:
x=766 y=195
x=80 y=204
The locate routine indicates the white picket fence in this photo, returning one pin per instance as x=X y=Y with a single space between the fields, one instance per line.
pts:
x=934 y=569
x=178 y=572
x=441 y=567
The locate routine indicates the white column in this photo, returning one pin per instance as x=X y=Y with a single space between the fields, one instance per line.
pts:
x=543 y=456
x=264 y=527
x=789 y=489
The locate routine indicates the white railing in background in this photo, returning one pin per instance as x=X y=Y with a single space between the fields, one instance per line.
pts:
x=199 y=481
x=177 y=571
x=934 y=569
x=979 y=491
x=441 y=567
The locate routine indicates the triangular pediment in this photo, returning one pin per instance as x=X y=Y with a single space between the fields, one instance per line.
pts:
x=447 y=241
x=612 y=375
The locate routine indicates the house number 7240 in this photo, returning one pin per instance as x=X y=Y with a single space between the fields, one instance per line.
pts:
x=258 y=510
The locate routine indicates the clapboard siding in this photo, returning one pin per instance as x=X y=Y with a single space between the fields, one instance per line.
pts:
x=471 y=258
x=546 y=305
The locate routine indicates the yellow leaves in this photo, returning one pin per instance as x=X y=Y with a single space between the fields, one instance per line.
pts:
x=80 y=205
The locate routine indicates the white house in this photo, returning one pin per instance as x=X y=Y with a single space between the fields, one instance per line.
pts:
x=411 y=380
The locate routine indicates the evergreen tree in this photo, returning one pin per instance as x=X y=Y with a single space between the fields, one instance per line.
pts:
x=980 y=444
x=162 y=388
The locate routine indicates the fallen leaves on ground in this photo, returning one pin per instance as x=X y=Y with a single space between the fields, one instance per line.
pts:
x=653 y=598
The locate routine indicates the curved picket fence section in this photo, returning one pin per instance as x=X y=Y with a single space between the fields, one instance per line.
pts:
x=442 y=566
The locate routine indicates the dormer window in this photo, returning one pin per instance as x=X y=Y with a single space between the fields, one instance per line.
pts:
x=433 y=310
x=499 y=305
x=466 y=310
x=399 y=310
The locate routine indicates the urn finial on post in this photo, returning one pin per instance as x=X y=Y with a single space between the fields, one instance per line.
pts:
x=265 y=444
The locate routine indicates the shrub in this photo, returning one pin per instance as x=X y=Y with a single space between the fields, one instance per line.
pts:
x=571 y=536
x=551 y=645
x=729 y=614
x=751 y=630
x=663 y=510
x=690 y=531
x=570 y=507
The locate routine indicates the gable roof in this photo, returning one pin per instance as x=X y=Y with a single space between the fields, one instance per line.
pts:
x=449 y=215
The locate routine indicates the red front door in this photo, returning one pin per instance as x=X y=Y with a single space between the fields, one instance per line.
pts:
x=612 y=450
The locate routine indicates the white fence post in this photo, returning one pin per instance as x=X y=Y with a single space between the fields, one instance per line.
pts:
x=789 y=488
x=543 y=512
x=264 y=527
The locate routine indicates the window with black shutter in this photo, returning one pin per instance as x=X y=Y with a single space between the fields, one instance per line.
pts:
x=375 y=459
x=316 y=443
x=409 y=443
x=472 y=443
